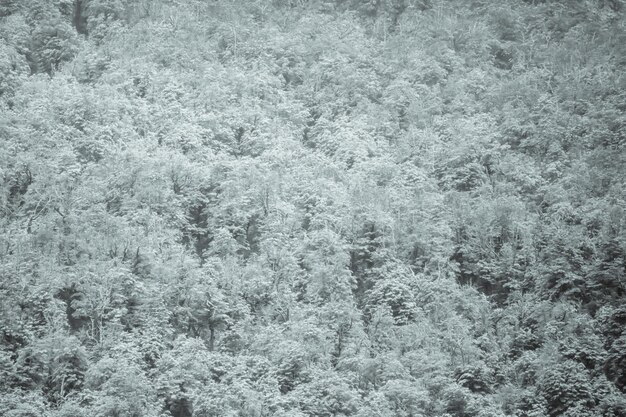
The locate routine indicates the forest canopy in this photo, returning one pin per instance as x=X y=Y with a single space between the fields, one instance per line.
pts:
x=365 y=208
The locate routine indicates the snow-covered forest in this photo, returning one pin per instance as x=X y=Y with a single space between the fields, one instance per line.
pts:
x=366 y=208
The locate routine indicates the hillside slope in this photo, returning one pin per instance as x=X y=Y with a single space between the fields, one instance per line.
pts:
x=312 y=208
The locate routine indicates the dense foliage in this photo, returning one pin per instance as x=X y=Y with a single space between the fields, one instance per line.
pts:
x=312 y=208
